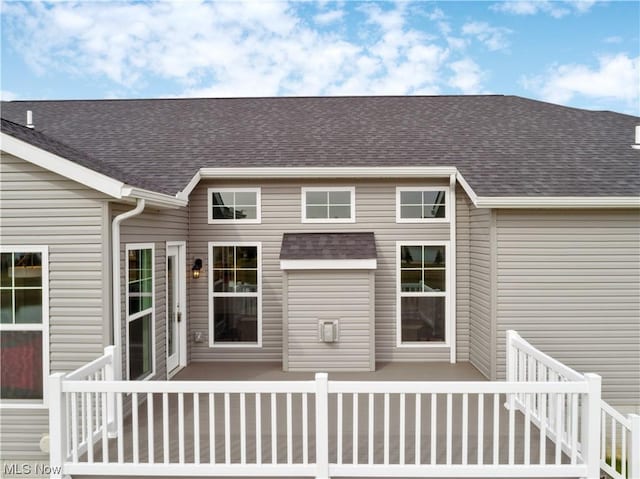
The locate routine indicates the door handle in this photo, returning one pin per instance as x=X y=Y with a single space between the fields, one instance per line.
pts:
x=179 y=316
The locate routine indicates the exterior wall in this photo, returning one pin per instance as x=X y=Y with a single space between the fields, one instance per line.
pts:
x=343 y=295
x=157 y=227
x=568 y=281
x=481 y=332
x=281 y=203
x=463 y=303
x=41 y=208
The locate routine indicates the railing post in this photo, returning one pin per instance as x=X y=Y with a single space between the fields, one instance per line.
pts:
x=322 y=426
x=511 y=366
x=634 y=446
x=57 y=425
x=110 y=375
x=591 y=425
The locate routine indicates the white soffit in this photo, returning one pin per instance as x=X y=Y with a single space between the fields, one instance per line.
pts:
x=311 y=264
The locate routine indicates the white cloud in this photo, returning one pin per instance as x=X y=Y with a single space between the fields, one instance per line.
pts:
x=494 y=38
x=555 y=8
x=613 y=39
x=467 y=76
x=6 y=95
x=331 y=16
x=615 y=78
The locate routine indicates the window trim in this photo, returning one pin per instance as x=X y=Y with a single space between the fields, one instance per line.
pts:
x=447 y=197
x=256 y=190
x=446 y=295
x=128 y=318
x=303 y=213
x=44 y=327
x=258 y=295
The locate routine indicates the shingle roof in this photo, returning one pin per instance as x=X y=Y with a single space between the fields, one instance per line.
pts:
x=502 y=145
x=328 y=246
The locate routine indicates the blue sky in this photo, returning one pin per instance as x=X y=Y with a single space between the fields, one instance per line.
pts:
x=581 y=53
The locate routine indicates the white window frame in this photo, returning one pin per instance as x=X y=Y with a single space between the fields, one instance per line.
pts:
x=152 y=310
x=212 y=295
x=352 y=194
x=446 y=294
x=257 y=191
x=401 y=189
x=44 y=327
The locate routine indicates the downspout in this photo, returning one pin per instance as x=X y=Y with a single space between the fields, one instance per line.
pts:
x=115 y=280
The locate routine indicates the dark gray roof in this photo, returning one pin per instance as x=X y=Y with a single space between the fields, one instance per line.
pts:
x=328 y=246
x=503 y=145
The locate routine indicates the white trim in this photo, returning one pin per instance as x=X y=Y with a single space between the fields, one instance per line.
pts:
x=257 y=294
x=181 y=271
x=153 y=197
x=326 y=172
x=446 y=295
x=43 y=326
x=328 y=263
x=558 y=202
x=186 y=191
x=452 y=274
x=467 y=189
x=152 y=310
x=401 y=189
x=212 y=221
x=352 y=207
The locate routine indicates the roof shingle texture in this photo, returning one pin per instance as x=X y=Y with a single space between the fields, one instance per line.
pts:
x=502 y=145
x=328 y=246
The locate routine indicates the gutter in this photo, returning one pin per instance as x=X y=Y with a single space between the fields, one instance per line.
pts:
x=115 y=276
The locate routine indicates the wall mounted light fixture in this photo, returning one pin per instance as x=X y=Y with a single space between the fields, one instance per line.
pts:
x=195 y=269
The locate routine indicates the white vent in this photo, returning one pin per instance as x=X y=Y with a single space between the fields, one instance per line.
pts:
x=637 y=145
x=29 y=119
x=328 y=331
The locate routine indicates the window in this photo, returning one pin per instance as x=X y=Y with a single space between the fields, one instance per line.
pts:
x=328 y=205
x=422 y=302
x=418 y=205
x=24 y=321
x=140 y=311
x=234 y=205
x=235 y=289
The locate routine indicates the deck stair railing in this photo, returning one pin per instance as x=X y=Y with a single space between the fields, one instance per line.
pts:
x=323 y=428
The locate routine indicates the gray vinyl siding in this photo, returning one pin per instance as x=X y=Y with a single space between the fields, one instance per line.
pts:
x=343 y=295
x=39 y=207
x=157 y=227
x=281 y=203
x=481 y=332
x=463 y=259
x=568 y=282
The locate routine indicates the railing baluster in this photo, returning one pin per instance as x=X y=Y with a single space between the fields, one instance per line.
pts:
x=543 y=429
x=89 y=438
x=120 y=416
x=465 y=427
x=150 y=427
x=69 y=425
x=527 y=428
x=83 y=419
x=274 y=430
x=402 y=426
x=386 y=428
x=243 y=430
x=289 y=430
x=339 y=429
x=496 y=428
x=614 y=449
x=181 y=428
x=512 y=439
x=449 y=415
x=418 y=459
x=603 y=435
x=196 y=428
x=574 y=428
x=355 y=428
x=212 y=429
x=135 y=427
x=558 y=421
x=105 y=438
x=258 y=428
x=165 y=428
x=227 y=429
x=480 y=459
x=623 y=445
x=370 y=430
x=305 y=428
x=434 y=427
x=74 y=427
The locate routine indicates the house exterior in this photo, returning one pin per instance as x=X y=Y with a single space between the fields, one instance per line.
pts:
x=324 y=234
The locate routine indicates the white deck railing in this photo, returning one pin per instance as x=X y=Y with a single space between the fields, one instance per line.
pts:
x=328 y=428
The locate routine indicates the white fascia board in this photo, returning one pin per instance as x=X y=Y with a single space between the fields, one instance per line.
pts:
x=557 y=202
x=153 y=198
x=61 y=166
x=186 y=191
x=290 y=264
x=328 y=172
x=467 y=188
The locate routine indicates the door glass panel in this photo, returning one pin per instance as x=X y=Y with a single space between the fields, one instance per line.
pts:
x=171 y=305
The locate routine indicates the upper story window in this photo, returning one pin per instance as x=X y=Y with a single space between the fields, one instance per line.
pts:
x=24 y=320
x=329 y=205
x=234 y=205
x=425 y=204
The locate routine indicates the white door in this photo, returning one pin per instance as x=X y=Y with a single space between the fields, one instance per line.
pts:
x=175 y=287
